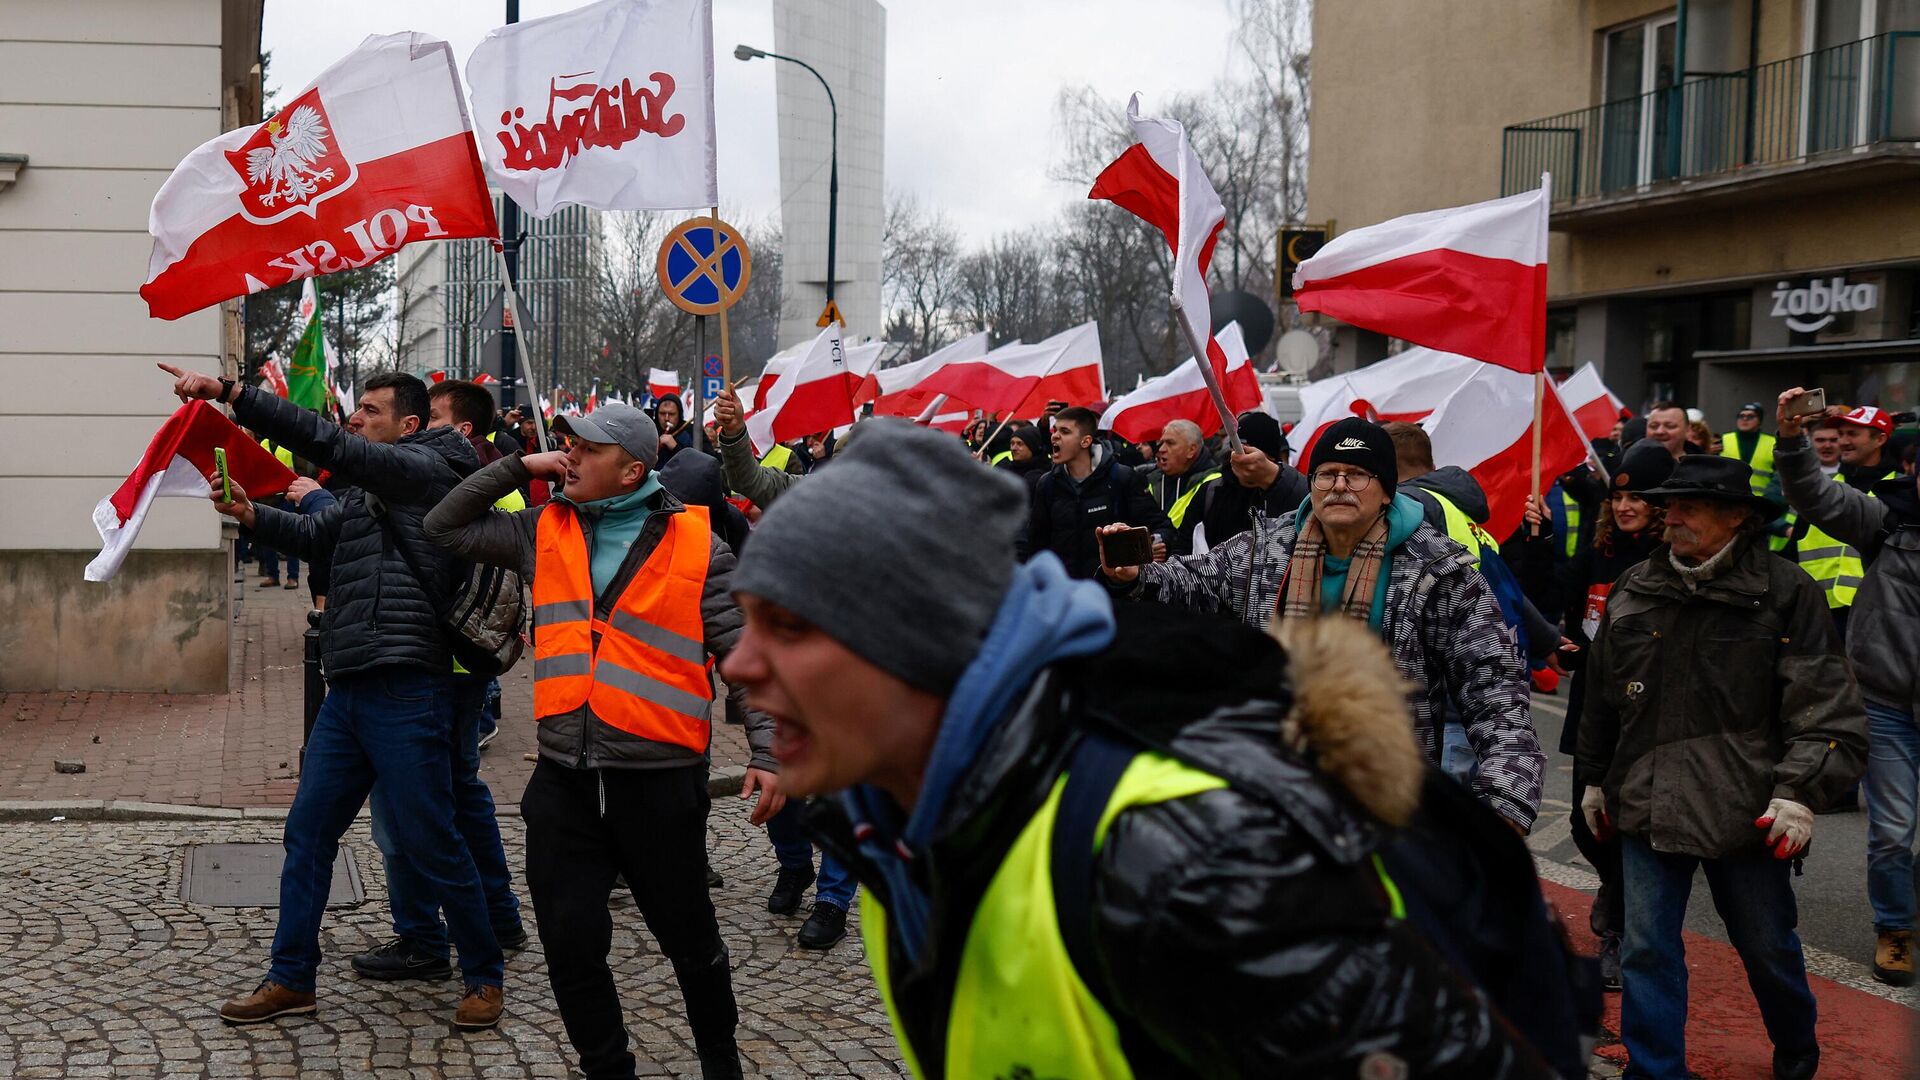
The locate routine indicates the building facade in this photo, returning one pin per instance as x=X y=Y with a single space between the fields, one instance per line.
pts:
x=1736 y=183
x=447 y=301
x=98 y=102
x=846 y=41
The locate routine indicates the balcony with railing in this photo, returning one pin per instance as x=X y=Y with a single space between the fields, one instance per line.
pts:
x=1846 y=116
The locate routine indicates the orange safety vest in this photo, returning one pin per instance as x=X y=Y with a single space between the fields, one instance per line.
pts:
x=644 y=668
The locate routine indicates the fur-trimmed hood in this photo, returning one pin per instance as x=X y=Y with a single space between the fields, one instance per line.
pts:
x=1350 y=715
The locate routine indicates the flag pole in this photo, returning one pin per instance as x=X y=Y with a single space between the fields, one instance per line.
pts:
x=519 y=339
x=1205 y=364
x=981 y=453
x=726 y=353
x=1540 y=373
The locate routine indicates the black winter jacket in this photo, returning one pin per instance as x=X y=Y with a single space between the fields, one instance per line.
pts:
x=378 y=613
x=1227 y=507
x=1243 y=931
x=1586 y=583
x=1065 y=512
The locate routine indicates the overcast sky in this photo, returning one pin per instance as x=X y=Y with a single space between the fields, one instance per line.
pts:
x=970 y=85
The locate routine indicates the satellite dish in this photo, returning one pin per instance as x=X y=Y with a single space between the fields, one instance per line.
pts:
x=1251 y=312
x=1297 y=352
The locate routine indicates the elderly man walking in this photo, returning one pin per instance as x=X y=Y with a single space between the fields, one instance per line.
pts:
x=1358 y=547
x=1720 y=718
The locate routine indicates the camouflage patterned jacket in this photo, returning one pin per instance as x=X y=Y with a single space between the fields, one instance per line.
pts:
x=1441 y=624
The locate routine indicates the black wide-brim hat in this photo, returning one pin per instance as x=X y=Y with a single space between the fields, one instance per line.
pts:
x=1710 y=476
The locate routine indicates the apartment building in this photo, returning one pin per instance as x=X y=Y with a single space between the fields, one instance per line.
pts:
x=99 y=100
x=1736 y=183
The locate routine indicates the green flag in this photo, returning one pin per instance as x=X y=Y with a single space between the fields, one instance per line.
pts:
x=307 y=374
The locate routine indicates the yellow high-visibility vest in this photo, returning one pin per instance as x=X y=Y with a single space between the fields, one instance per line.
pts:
x=1756 y=450
x=1837 y=567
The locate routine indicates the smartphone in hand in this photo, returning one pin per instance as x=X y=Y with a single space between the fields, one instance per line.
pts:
x=1131 y=548
x=220 y=466
x=1810 y=403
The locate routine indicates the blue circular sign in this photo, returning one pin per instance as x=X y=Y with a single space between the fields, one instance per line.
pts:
x=711 y=366
x=704 y=266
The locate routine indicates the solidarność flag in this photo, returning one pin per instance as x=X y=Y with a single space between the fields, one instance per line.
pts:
x=376 y=154
x=608 y=106
x=1159 y=180
x=1470 y=280
x=178 y=462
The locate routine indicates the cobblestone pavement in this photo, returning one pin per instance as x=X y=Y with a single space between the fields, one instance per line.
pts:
x=107 y=973
x=234 y=750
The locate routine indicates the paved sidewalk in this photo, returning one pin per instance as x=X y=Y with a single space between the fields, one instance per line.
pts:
x=233 y=750
x=109 y=973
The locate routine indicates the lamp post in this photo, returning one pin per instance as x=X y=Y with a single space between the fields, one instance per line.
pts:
x=748 y=52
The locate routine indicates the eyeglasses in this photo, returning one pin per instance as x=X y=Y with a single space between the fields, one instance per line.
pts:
x=1356 y=481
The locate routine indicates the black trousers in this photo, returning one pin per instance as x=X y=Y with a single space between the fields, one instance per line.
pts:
x=584 y=827
x=1610 y=903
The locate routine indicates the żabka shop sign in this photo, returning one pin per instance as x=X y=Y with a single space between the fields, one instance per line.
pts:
x=1814 y=306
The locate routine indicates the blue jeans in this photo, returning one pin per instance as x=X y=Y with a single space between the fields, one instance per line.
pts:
x=416 y=910
x=794 y=850
x=1457 y=758
x=270 y=564
x=394 y=726
x=1754 y=896
x=1893 y=789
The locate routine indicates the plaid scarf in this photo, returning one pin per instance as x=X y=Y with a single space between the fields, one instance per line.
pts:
x=1301 y=596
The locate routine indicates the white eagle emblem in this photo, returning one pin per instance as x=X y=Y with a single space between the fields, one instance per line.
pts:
x=286 y=164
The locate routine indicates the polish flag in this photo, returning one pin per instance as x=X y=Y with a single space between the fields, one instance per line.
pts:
x=897 y=389
x=1160 y=180
x=861 y=362
x=1018 y=380
x=1470 y=280
x=769 y=374
x=178 y=462
x=485 y=378
x=953 y=423
x=813 y=393
x=273 y=378
x=1181 y=394
x=376 y=154
x=546 y=407
x=662 y=383
x=1480 y=417
x=1593 y=405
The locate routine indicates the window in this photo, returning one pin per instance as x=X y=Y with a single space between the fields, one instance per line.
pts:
x=1640 y=68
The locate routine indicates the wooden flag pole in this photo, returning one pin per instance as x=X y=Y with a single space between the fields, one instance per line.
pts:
x=1205 y=364
x=1540 y=373
x=520 y=341
x=1539 y=410
x=981 y=453
x=726 y=351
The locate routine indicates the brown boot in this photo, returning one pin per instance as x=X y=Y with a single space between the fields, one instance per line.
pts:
x=267 y=1001
x=480 y=1009
x=1893 y=959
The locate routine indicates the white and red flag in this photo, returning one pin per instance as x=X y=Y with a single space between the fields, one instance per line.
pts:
x=273 y=378
x=862 y=361
x=813 y=392
x=1160 y=180
x=1594 y=407
x=1480 y=417
x=485 y=378
x=376 y=154
x=178 y=462
x=896 y=390
x=1181 y=394
x=662 y=383
x=1470 y=280
x=609 y=106
x=1018 y=380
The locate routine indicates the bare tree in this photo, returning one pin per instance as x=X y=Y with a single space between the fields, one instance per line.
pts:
x=920 y=278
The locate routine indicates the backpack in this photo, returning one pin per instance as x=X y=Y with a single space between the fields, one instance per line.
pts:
x=483 y=621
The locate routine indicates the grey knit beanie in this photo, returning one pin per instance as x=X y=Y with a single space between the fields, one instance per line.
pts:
x=901 y=550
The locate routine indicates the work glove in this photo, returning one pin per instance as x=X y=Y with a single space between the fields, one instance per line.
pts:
x=1593 y=807
x=1789 y=827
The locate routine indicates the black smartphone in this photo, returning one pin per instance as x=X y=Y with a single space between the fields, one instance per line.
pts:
x=1131 y=548
x=1810 y=403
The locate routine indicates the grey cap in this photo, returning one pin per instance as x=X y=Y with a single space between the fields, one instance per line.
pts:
x=617 y=423
x=901 y=549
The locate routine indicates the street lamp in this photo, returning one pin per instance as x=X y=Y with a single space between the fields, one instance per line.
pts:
x=748 y=52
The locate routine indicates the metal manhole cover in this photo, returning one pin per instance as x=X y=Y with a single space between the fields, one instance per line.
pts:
x=248 y=875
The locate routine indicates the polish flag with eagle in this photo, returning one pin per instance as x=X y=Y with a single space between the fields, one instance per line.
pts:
x=378 y=153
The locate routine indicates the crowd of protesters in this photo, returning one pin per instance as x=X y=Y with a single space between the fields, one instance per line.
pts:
x=1172 y=759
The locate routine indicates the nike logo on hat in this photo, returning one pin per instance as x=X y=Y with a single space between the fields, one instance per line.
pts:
x=1350 y=444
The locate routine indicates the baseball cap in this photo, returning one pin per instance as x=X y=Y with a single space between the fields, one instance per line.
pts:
x=1752 y=407
x=1867 y=416
x=617 y=423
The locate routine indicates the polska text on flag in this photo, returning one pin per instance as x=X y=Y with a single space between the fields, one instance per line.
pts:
x=1470 y=280
x=609 y=106
x=178 y=462
x=376 y=154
